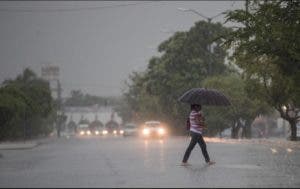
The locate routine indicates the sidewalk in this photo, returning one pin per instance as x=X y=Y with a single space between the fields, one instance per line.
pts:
x=280 y=142
x=23 y=145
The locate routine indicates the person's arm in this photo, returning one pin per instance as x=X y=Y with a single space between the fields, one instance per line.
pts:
x=199 y=118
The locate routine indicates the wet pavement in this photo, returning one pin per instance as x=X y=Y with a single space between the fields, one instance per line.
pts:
x=134 y=162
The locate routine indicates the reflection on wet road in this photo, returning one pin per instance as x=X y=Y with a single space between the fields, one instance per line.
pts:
x=154 y=153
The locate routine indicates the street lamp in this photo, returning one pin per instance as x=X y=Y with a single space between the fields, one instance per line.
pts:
x=196 y=12
x=167 y=31
x=209 y=19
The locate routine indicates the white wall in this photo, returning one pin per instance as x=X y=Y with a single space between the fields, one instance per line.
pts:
x=103 y=113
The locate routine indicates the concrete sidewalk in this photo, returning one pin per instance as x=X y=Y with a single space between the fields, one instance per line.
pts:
x=18 y=145
x=23 y=145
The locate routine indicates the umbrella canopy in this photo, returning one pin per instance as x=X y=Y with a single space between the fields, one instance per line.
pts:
x=204 y=96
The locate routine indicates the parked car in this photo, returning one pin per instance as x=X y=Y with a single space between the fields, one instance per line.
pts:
x=153 y=129
x=130 y=129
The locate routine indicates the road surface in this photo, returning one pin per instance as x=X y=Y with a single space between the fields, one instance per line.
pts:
x=134 y=162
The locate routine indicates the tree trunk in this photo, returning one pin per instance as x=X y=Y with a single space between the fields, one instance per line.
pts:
x=244 y=132
x=232 y=132
x=293 y=130
x=248 y=129
x=292 y=119
x=220 y=133
x=235 y=130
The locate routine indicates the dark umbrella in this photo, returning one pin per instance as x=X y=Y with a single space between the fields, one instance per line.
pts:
x=205 y=97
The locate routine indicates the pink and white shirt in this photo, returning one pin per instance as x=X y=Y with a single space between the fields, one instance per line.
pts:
x=196 y=121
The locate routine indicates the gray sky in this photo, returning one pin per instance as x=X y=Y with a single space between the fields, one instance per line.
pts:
x=96 y=48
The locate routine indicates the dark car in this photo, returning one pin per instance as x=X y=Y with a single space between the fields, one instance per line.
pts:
x=96 y=127
x=113 y=128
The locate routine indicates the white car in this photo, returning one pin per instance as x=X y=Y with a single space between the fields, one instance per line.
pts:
x=153 y=129
x=130 y=129
x=83 y=129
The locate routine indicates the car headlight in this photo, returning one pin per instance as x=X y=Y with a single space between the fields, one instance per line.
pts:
x=115 y=132
x=104 y=132
x=88 y=132
x=146 y=132
x=121 y=132
x=81 y=133
x=161 y=131
x=97 y=132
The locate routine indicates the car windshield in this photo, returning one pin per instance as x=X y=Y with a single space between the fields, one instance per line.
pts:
x=83 y=126
x=152 y=124
x=130 y=126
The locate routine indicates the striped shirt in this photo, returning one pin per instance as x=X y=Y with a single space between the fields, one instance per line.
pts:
x=196 y=121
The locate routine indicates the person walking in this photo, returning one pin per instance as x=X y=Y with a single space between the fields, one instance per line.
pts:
x=196 y=121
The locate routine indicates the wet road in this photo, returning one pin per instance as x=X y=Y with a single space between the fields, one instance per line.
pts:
x=134 y=162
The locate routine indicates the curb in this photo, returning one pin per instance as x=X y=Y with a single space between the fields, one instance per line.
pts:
x=26 y=145
x=18 y=146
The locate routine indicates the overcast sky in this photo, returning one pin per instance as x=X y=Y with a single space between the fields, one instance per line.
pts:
x=96 y=44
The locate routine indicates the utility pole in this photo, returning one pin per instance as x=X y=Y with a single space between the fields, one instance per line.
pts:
x=24 y=126
x=59 y=109
x=51 y=74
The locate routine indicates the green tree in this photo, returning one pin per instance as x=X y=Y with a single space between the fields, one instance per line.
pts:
x=184 y=64
x=13 y=107
x=27 y=106
x=266 y=47
x=240 y=114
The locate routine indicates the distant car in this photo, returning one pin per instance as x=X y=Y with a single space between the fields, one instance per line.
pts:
x=96 y=127
x=130 y=129
x=83 y=129
x=112 y=128
x=153 y=129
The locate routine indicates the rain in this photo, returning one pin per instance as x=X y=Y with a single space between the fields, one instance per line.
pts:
x=149 y=94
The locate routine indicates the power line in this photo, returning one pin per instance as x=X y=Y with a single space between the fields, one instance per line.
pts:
x=13 y=9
